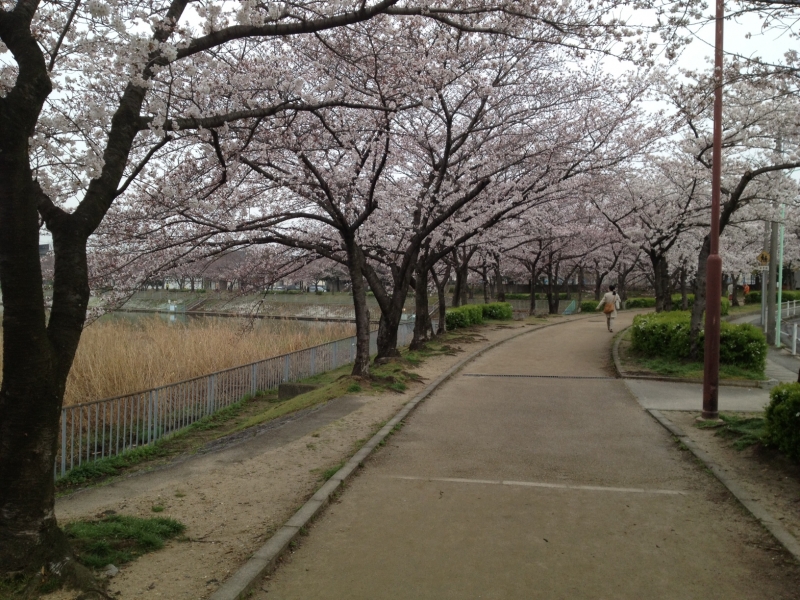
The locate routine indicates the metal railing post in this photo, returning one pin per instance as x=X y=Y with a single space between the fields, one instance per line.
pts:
x=212 y=381
x=313 y=361
x=794 y=339
x=254 y=379
x=286 y=369
x=156 y=420
x=149 y=415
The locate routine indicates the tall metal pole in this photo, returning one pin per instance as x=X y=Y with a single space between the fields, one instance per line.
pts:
x=780 y=279
x=764 y=281
x=772 y=291
x=714 y=268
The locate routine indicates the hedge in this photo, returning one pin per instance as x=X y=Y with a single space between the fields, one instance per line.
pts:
x=474 y=314
x=783 y=419
x=518 y=296
x=640 y=303
x=786 y=296
x=666 y=335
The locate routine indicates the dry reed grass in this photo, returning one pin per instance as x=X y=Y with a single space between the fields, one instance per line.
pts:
x=119 y=356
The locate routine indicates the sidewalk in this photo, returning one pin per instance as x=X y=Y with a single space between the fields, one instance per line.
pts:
x=535 y=474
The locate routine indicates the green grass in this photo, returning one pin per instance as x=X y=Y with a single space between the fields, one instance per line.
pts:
x=328 y=473
x=354 y=388
x=157 y=508
x=119 y=539
x=694 y=370
x=744 y=431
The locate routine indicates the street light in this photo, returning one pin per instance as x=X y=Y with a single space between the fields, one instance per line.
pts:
x=714 y=264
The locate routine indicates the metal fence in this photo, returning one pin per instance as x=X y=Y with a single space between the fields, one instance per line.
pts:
x=103 y=428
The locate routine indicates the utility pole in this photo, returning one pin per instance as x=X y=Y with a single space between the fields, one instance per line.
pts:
x=780 y=278
x=764 y=280
x=714 y=263
x=772 y=292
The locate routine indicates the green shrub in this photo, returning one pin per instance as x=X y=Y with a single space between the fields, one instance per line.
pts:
x=518 y=296
x=783 y=419
x=464 y=316
x=676 y=303
x=589 y=306
x=498 y=311
x=666 y=335
x=640 y=303
x=474 y=314
x=786 y=296
x=752 y=298
x=725 y=304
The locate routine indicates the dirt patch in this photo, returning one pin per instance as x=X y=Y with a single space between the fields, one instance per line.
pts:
x=232 y=500
x=765 y=475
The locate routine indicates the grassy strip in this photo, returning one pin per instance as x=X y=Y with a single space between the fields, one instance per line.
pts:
x=744 y=431
x=692 y=370
x=119 y=539
x=633 y=363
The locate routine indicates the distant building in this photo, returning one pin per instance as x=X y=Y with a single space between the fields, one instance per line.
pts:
x=45 y=248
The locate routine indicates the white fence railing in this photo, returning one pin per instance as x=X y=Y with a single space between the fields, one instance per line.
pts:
x=108 y=427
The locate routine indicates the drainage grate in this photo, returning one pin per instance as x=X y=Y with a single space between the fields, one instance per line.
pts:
x=540 y=376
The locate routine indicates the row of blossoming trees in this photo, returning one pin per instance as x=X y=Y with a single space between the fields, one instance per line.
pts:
x=396 y=139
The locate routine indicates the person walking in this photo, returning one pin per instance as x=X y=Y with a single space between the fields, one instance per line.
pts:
x=610 y=305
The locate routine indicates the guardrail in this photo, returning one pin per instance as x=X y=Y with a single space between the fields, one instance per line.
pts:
x=112 y=426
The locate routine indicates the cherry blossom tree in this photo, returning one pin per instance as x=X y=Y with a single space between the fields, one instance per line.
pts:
x=128 y=78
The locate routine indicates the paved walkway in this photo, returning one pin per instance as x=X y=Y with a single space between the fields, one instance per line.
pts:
x=534 y=474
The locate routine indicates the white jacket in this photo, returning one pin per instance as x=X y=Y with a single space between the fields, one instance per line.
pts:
x=610 y=298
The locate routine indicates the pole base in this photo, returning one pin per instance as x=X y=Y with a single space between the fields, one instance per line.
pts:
x=709 y=416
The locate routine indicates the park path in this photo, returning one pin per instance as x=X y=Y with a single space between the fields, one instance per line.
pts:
x=533 y=473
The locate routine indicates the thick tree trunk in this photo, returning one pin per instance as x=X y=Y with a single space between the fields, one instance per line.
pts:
x=501 y=290
x=485 y=284
x=355 y=265
x=392 y=313
x=666 y=282
x=699 y=306
x=532 y=305
x=37 y=358
x=734 y=292
x=441 y=284
x=598 y=284
x=422 y=323
x=661 y=282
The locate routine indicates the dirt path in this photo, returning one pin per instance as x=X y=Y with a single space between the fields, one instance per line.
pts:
x=534 y=474
x=232 y=499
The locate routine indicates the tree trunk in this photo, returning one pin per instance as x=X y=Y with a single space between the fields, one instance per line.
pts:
x=734 y=292
x=666 y=283
x=699 y=306
x=440 y=291
x=598 y=284
x=485 y=284
x=355 y=265
x=501 y=290
x=532 y=305
x=422 y=322
x=36 y=361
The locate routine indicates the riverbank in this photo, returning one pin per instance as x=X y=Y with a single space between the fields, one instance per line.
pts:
x=120 y=356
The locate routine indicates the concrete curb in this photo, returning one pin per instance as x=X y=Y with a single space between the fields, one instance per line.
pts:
x=765 y=384
x=778 y=531
x=264 y=560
